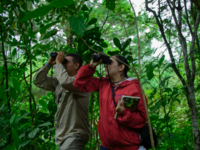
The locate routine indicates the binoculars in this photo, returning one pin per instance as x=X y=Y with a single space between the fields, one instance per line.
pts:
x=54 y=55
x=105 y=59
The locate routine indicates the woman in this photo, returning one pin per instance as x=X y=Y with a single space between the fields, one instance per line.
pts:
x=120 y=133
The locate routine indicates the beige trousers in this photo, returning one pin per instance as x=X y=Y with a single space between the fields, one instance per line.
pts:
x=73 y=142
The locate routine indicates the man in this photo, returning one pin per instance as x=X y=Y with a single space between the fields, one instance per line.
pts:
x=71 y=119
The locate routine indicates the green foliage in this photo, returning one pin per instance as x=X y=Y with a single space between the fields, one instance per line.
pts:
x=150 y=69
x=16 y=138
x=31 y=30
x=61 y=3
x=39 y=12
x=122 y=46
x=110 y=4
x=92 y=21
x=77 y=24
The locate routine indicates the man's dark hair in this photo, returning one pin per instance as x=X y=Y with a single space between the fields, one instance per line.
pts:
x=124 y=60
x=76 y=58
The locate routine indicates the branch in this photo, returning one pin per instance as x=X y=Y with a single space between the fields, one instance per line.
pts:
x=167 y=44
x=186 y=12
x=2 y=82
x=106 y=29
x=182 y=40
x=179 y=9
x=5 y=64
x=194 y=36
x=105 y=20
x=129 y=44
x=22 y=35
x=197 y=4
x=198 y=47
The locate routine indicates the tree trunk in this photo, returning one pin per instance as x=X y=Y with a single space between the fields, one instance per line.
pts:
x=194 y=114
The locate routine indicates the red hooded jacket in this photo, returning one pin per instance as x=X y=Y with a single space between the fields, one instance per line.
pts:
x=120 y=133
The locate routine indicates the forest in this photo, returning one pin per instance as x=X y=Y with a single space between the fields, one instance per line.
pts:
x=159 y=38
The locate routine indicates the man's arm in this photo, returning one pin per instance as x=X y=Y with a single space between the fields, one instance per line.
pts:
x=64 y=79
x=41 y=80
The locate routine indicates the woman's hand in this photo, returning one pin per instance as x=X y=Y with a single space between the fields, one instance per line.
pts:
x=120 y=107
x=94 y=64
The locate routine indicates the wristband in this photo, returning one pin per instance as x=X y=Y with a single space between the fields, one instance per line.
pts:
x=48 y=65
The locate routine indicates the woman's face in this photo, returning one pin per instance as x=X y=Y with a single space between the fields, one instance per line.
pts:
x=114 y=68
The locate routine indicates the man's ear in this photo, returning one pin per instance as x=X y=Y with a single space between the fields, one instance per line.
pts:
x=76 y=66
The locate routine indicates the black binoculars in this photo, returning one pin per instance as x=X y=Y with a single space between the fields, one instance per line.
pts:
x=54 y=55
x=105 y=59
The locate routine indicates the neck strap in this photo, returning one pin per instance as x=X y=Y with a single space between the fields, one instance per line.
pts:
x=113 y=92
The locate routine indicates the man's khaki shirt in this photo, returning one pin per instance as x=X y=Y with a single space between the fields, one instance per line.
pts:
x=72 y=104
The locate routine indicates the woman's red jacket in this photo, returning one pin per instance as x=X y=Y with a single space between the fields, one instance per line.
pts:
x=120 y=133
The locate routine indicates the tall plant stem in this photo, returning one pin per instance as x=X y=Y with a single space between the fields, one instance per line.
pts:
x=138 y=76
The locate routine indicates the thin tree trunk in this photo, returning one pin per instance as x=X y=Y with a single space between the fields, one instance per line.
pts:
x=6 y=65
x=190 y=72
x=194 y=114
x=91 y=113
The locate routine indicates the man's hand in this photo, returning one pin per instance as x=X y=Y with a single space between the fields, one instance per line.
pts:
x=120 y=107
x=95 y=64
x=51 y=62
x=60 y=58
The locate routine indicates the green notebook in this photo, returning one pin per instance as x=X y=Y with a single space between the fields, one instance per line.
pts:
x=130 y=102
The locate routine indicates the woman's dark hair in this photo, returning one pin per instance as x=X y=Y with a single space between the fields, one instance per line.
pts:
x=76 y=58
x=123 y=59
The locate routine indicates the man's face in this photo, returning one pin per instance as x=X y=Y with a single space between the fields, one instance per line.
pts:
x=70 y=66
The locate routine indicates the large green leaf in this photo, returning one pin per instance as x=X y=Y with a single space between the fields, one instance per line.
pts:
x=43 y=104
x=49 y=34
x=125 y=44
x=117 y=43
x=150 y=69
x=10 y=147
x=61 y=3
x=166 y=67
x=156 y=107
x=16 y=85
x=24 y=143
x=12 y=119
x=161 y=60
x=45 y=124
x=110 y=4
x=111 y=53
x=49 y=130
x=162 y=83
x=43 y=29
x=77 y=24
x=85 y=8
x=33 y=133
x=52 y=106
x=13 y=93
x=39 y=12
x=92 y=21
x=21 y=117
x=16 y=138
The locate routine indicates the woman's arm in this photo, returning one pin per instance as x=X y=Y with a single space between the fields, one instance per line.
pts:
x=135 y=119
x=85 y=81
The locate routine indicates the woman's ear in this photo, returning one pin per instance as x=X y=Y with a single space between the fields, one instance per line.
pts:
x=121 y=67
